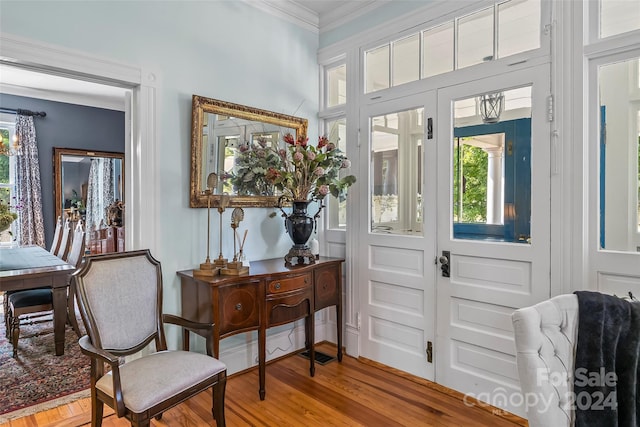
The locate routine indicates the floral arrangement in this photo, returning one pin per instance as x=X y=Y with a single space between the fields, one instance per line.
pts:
x=251 y=166
x=6 y=216
x=310 y=172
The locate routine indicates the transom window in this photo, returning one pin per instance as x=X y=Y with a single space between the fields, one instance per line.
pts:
x=502 y=30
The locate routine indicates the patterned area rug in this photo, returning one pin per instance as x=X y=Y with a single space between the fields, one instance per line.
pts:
x=38 y=379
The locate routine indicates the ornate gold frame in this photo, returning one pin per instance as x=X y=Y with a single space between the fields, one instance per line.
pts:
x=201 y=105
x=58 y=152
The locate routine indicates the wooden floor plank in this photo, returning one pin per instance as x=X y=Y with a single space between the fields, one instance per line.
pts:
x=354 y=393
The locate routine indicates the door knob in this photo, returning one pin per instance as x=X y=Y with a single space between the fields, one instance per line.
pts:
x=445 y=260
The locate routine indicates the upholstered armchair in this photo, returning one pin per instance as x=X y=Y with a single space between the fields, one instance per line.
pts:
x=546 y=335
x=120 y=300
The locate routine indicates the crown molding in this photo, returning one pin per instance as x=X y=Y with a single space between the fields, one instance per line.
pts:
x=292 y=11
x=289 y=11
x=348 y=12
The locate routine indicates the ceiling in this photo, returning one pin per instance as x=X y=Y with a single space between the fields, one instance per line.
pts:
x=318 y=15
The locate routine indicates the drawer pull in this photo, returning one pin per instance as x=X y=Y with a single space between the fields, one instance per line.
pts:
x=277 y=285
x=239 y=306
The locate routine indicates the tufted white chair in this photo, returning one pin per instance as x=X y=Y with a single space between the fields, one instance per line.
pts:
x=545 y=336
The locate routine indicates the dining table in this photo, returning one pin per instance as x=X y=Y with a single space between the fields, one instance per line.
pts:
x=31 y=267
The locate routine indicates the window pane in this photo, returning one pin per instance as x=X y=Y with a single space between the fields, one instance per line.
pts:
x=619 y=16
x=437 y=50
x=475 y=38
x=406 y=60
x=337 y=85
x=396 y=172
x=336 y=131
x=518 y=26
x=619 y=159
x=6 y=146
x=491 y=164
x=377 y=69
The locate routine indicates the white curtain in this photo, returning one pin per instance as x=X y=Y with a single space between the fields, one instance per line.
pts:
x=30 y=230
x=100 y=192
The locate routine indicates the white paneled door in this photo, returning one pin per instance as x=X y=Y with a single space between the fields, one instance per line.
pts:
x=500 y=261
x=397 y=252
x=458 y=229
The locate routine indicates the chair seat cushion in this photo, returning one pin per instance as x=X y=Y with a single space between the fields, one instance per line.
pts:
x=155 y=378
x=30 y=298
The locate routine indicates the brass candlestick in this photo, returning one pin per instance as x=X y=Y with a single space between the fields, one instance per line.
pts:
x=207 y=269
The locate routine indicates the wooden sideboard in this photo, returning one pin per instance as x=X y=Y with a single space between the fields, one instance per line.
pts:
x=271 y=294
x=105 y=240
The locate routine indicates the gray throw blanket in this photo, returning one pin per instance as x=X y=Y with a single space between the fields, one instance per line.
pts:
x=607 y=364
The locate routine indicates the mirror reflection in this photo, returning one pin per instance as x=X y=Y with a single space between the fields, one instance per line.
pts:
x=86 y=184
x=228 y=140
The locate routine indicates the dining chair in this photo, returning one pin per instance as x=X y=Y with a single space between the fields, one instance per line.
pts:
x=75 y=257
x=31 y=301
x=63 y=248
x=55 y=243
x=120 y=300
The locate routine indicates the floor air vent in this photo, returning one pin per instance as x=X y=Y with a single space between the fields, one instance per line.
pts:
x=320 y=357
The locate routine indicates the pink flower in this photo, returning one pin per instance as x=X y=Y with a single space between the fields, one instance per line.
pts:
x=346 y=163
x=311 y=155
x=243 y=148
x=322 y=141
x=298 y=156
x=331 y=146
x=288 y=138
x=302 y=141
x=323 y=190
x=319 y=171
x=282 y=152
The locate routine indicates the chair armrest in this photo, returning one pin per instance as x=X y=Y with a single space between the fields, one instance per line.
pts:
x=187 y=324
x=113 y=361
x=195 y=327
x=96 y=353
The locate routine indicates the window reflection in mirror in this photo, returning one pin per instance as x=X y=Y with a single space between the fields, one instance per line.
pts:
x=491 y=192
x=619 y=177
x=396 y=172
x=234 y=152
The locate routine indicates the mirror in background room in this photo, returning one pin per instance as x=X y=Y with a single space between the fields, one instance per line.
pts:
x=235 y=143
x=88 y=186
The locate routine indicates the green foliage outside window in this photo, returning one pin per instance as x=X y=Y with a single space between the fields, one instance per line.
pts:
x=4 y=160
x=469 y=183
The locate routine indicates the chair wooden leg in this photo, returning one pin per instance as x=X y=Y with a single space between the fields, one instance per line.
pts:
x=97 y=412
x=15 y=334
x=218 y=392
x=71 y=311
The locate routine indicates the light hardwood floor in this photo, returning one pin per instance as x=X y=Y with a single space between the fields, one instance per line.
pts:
x=351 y=393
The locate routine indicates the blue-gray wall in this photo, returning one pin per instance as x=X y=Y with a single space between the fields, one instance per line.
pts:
x=67 y=126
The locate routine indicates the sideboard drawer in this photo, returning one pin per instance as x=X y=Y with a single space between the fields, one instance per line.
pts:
x=240 y=307
x=288 y=284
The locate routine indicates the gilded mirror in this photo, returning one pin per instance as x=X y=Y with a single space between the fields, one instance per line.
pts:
x=86 y=182
x=220 y=131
